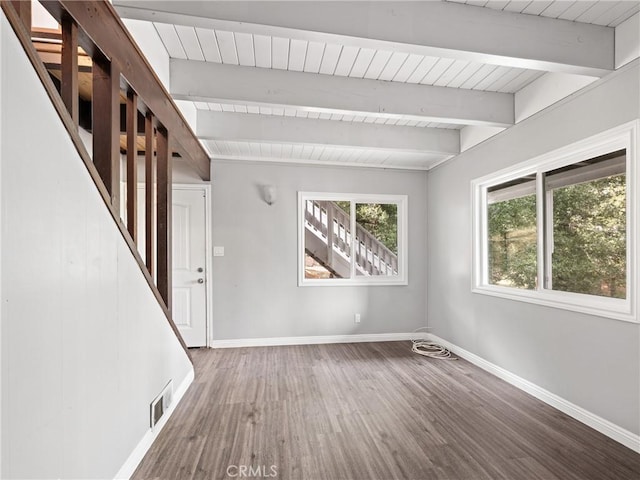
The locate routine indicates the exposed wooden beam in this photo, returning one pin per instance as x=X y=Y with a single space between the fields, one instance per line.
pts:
x=163 y=213
x=101 y=25
x=132 y=165
x=106 y=125
x=269 y=128
x=206 y=81
x=440 y=29
x=69 y=67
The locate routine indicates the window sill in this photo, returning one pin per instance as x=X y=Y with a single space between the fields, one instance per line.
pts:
x=352 y=282
x=613 y=308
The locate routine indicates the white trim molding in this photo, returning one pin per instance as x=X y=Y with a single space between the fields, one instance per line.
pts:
x=611 y=430
x=624 y=137
x=312 y=340
x=132 y=462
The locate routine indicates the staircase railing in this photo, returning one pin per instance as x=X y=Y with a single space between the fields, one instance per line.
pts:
x=130 y=112
x=333 y=225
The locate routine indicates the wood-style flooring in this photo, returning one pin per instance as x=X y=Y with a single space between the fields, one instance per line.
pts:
x=369 y=411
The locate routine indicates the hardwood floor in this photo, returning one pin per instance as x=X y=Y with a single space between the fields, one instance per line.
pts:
x=369 y=411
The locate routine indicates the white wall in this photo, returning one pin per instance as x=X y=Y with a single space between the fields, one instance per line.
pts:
x=255 y=284
x=85 y=345
x=558 y=350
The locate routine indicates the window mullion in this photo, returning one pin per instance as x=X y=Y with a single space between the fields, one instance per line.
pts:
x=540 y=230
x=352 y=227
x=549 y=242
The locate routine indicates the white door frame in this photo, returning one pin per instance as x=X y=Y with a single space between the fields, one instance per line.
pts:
x=206 y=189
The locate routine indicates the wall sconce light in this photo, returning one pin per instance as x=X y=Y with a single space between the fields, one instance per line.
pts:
x=269 y=193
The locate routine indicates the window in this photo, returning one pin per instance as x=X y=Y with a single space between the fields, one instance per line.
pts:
x=330 y=253
x=562 y=229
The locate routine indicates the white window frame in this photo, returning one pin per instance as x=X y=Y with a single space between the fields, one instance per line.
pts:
x=401 y=278
x=623 y=137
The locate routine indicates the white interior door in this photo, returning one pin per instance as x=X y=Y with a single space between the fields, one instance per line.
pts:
x=189 y=307
x=189 y=302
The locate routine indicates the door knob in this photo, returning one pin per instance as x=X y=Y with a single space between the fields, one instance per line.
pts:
x=201 y=280
x=200 y=269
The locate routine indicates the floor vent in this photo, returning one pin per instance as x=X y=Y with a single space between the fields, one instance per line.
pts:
x=161 y=403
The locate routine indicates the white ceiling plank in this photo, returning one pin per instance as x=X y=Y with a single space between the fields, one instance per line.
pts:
x=483 y=72
x=362 y=62
x=521 y=81
x=209 y=45
x=378 y=63
x=287 y=148
x=201 y=105
x=313 y=61
x=345 y=63
x=450 y=73
x=476 y=3
x=537 y=7
x=296 y=151
x=507 y=78
x=170 y=39
x=516 y=6
x=297 y=55
x=244 y=48
x=577 y=9
x=280 y=52
x=487 y=83
x=620 y=9
x=258 y=128
x=410 y=65
x=393 y=66
x=591 y=15
x=437 y=70
x=421 y=70
x=203 y=81
x=227 y=46
x=262 y=50
x=330 y=59
x=496 y=4
x=446 y=29
x=190 y=42
x=625 y=16
x=557 y=8
x=468 y=71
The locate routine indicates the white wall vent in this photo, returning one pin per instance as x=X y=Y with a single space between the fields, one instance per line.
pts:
x=161 y=403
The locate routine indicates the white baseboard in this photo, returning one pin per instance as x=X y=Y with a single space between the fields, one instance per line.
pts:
x=311 y=340
x=149 y=437
x=619 y=434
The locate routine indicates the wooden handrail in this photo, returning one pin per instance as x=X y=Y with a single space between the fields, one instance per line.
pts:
x=102 y=29
x=104 y=167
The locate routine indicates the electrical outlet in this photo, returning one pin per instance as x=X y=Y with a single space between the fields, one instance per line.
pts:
x=356 y=318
